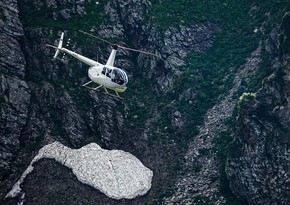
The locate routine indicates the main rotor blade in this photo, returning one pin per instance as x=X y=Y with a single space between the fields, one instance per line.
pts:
x=51 y=46
x=123 y=47
x=96 y=37
x=140 y=51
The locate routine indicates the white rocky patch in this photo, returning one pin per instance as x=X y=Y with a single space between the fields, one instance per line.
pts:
x=116 y=173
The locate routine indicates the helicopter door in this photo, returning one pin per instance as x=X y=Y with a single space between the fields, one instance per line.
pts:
x=106 y=71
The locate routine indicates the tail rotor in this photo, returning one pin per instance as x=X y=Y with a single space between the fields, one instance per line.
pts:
x=59 y=46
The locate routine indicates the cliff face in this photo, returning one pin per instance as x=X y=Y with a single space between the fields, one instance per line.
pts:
x=15 y=93
x=258 y=161
x=42 y=102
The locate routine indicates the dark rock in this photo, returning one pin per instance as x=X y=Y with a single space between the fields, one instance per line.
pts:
x=14 y=109
x=41 y=102
x=258 y=159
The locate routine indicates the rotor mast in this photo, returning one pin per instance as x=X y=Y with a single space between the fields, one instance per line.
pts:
x=111 y=60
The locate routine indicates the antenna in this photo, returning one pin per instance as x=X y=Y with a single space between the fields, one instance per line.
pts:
x=118 y=46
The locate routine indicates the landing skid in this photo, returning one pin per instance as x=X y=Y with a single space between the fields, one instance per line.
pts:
x=117 y=96
x=91 y=88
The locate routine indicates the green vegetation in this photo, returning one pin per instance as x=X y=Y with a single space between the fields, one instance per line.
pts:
x=211 y=73
x=44 y=16
x=208 y=74
x=237 y=39
x=245 y=99
x=169 y=13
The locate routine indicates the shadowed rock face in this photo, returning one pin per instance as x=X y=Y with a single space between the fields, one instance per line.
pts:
x=12 y=60
x=258 y=164
x=14 y=91
x=41 y=102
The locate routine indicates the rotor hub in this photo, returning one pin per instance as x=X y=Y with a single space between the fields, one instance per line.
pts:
x=115 y=46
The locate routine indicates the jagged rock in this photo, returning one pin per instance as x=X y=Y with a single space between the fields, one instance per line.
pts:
x=12 y=60
x=180 y=41
x=177 y=43
x=150 y=129
x=9 y=22
x=177 y=121
x=201 y=170
x=128 y=19
x=188 y=95
x=259 y=157
x=14 y=91
x=71 y=119
x=50 y=105
x=14 y=104
x=116 y=173
x=258 y=163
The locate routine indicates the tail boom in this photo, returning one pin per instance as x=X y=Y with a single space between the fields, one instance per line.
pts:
x=84 y=59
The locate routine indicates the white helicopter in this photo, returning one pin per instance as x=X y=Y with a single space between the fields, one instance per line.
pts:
x=106 y=76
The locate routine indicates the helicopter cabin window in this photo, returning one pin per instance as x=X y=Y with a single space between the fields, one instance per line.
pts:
x=106 y=71
x=119 y=76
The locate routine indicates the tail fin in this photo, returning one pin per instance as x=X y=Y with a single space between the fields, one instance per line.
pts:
x=59 y=46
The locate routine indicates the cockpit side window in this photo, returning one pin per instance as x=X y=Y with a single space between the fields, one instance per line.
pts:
x=106 y=71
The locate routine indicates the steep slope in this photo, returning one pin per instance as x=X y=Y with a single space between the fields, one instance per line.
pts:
x=259 y=160
x=58 y=109
x=205 y=179
x=15 y=93
x=202 y=163
x=174 y=109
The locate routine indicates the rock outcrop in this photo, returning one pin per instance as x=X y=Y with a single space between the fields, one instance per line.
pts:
x=41 y=102
x=11 y=57
x=14 y=91
x=259 y=157
x=201 y=169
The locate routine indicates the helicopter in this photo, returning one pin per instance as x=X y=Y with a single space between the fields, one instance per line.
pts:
x=106 y=76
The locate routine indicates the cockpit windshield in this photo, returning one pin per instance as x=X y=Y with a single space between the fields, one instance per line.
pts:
x=119 y=76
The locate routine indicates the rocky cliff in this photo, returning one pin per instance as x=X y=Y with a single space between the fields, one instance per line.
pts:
x=259 y=160
x=42 y=101
x=175 y=109
x=15 y=92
